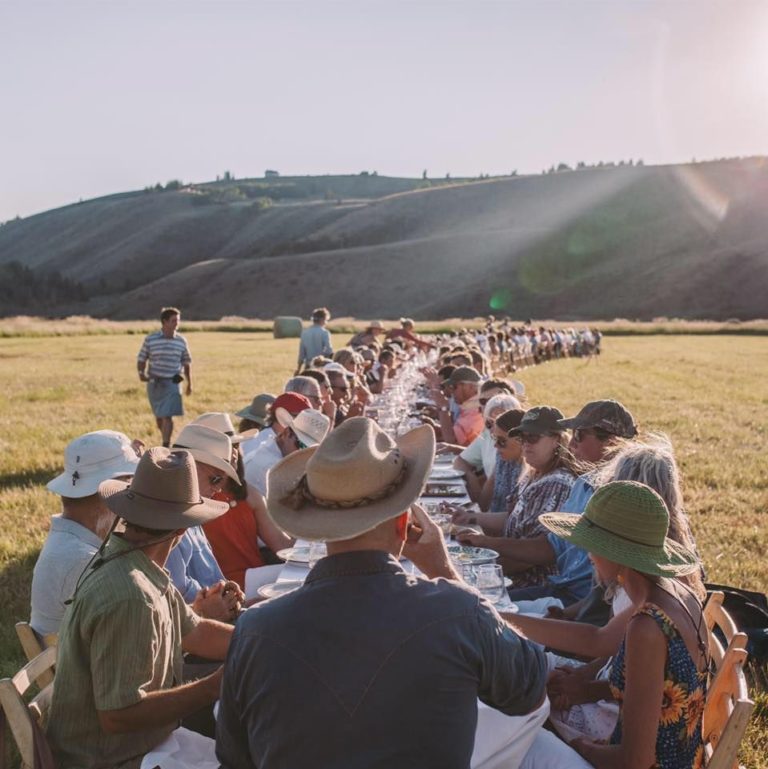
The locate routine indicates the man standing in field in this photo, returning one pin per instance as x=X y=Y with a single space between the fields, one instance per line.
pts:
x=315 y=340
x=167 y=353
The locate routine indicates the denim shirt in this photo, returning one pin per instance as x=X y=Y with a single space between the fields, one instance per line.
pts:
x=574 y=569
x=192 y=564
x=367 y=666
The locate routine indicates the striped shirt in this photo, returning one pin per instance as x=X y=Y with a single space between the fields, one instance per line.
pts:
x=166 y=355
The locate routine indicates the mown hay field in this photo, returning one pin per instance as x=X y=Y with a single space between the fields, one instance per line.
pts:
x=708 y=393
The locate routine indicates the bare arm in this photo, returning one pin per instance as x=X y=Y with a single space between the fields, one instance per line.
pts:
x=274 y=538
x=535 y=551
x=486 y=493
x=209 y=639
x=164 y=707
x=188 y=376
x=574 y=637
x=646 y=651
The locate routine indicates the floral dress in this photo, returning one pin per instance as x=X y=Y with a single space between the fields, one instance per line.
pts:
x=679 y=743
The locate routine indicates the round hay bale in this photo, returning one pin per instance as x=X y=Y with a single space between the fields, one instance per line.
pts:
x=287 y=326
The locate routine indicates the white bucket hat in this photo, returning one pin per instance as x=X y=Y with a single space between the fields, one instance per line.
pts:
x=221 y=422
x=208 y=446
x=91 y=459
x=310 y=425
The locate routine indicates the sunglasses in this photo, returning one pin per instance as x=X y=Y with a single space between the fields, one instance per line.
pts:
x=530 y=438
x=489 y=424
x=483 y=401
x=298 y=441
x=339 y=387
x=580 y=433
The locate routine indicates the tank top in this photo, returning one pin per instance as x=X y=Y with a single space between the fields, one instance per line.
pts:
x=234 y=538
x=679 y=743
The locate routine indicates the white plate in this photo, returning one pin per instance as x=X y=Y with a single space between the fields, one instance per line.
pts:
x=445 y=474
x=295 y=554
x=275 y=589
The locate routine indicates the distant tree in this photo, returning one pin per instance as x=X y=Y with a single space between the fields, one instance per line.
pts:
x=563 y=167
x=639 y=162
x=158 y=187
x=375 y=173
x=514 y=172
x=424 y=174
x=364 y=173
x=174 y=184
x=580 y=165
x=447 y=176
x=227 y=176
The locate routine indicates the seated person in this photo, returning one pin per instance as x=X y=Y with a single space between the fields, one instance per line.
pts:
x=119 y=666
x=77 y=532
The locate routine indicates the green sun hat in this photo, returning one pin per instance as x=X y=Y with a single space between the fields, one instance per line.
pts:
x=626 y=522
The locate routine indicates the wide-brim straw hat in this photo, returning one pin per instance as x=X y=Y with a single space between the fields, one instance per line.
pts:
x=163 y=494
x=357 y=478
x=208 y=446
x=626 y=522
x=311 y=426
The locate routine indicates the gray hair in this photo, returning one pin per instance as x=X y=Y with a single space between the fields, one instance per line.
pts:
x=303 y=385
x=500 y=402
x=652 y=462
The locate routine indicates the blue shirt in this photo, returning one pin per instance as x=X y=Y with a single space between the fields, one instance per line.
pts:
x=574 y=569
x=315 y=340
x=192 y=565
x=367 y=667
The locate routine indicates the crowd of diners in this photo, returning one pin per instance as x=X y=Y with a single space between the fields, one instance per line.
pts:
x=144 y=574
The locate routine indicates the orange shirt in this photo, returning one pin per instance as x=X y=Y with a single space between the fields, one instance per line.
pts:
x=234 y=539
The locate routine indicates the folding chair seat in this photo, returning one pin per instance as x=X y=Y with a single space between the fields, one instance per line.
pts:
x=33 y=645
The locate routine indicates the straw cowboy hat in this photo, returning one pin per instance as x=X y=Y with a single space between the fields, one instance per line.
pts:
x=91 y=459
x=357 y=478
x=221 y=422
x=626 y=522
x=163 y=493
x=310 y=425
x=209 y=447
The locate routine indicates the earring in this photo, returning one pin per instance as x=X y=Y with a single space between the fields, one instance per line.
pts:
x=620 y=577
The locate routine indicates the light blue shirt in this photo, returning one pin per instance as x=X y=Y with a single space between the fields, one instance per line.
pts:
x=315 y=340
x=192 y=565
x=574 y=568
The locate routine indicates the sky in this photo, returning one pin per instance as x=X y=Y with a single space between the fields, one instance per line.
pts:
x=104 y=97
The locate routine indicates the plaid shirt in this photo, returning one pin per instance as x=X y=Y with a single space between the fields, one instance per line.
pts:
x=531 y=498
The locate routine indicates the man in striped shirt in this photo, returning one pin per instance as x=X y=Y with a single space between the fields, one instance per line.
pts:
x=167 y=354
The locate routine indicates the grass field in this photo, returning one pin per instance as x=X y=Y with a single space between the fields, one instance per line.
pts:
x=707 y=392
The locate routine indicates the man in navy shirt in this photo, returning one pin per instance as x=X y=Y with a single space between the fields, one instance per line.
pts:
x=365 y=665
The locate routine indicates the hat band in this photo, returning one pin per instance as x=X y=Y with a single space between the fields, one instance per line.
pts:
x=301 y=494
x=613 y=533
x=131 y=493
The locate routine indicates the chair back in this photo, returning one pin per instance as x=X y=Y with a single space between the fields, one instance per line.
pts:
x=727 y=708
x=34 y=645
x=26 y=719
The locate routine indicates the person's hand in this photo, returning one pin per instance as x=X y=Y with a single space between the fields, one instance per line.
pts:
x=355 y=409
x=582 y=746
x=138 y=446
x=425 y=546
x=143 y=377
x=568 y=687
x=474 y=540
x=437 y=396
x=214 y=603
x=432 y=377
x=329 y=409
x=461 y=516
x=555 y=612
x=189 y=388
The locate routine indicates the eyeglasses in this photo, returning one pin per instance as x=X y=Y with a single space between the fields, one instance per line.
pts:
x=482 y=401
x=489 y=423
x=530 y=438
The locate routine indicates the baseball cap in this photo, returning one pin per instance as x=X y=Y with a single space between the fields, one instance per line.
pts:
x=540 y=420
x=608 y=415
x=464 y=374
x=293 y=403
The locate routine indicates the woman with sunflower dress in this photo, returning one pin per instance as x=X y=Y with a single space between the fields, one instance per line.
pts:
x=660 y=672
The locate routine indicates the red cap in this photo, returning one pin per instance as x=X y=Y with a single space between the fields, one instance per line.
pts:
x=293 y=403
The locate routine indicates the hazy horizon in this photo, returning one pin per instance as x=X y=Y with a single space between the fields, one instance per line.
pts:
x=106 y=98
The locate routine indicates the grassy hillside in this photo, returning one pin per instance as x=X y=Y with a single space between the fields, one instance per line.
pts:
x=638 y=242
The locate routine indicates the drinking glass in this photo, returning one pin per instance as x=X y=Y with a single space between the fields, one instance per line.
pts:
x=488 y=580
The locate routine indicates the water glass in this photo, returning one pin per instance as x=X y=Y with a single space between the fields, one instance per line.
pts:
x=487 y=579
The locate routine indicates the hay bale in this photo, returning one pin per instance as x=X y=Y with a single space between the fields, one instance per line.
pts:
x=287 y=326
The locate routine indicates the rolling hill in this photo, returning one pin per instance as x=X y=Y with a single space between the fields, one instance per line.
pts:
x=637 y=242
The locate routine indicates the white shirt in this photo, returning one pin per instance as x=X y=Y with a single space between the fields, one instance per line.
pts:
x=481 y=453
x=259 y=463
x=267 y=435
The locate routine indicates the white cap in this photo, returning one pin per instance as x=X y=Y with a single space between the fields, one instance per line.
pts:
x=93 y=458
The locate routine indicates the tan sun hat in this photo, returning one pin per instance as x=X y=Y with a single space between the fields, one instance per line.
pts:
x=221 y=422
x=357 y=478
x=163 y=494
x=258 y=410
x=208 y=446
x=310 y=425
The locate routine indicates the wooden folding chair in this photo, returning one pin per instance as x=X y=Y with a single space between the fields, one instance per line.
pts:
x=26 y=720
x=33 y=645
x=728 y=707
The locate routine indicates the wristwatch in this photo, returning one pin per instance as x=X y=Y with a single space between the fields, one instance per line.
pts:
x=444 y=409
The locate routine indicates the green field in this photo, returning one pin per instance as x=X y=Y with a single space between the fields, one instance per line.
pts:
x=707 y=392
